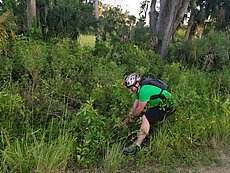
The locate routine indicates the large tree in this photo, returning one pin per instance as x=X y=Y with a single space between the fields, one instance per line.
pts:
x=165 y=20
x=191 y=19
x=31 y=12
x=114 y=23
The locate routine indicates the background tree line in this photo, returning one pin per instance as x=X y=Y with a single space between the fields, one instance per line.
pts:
x=51 y=18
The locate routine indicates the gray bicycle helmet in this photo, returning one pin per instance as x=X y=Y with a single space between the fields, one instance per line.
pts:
x=132 y=79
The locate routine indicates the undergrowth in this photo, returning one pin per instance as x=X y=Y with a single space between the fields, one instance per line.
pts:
x=62 y=105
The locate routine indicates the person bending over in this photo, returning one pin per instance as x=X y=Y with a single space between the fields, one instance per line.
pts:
x=160 y=107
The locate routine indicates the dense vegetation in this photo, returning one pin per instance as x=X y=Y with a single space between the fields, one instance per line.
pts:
x=62 y=105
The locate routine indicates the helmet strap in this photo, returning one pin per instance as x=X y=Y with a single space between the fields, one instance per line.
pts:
x=135 y=85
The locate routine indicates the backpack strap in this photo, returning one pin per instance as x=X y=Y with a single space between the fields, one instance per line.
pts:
x=156 y=96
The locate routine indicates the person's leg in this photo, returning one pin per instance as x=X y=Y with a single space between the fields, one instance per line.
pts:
x=152 y=116
x=144 y=130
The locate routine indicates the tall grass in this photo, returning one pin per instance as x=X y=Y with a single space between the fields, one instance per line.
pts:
x=113 y=158
x=37 y=154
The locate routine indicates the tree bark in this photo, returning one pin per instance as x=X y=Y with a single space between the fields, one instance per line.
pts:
x=180 y=14
x=153 y=16
x=191 y=20
x=165 y=24
x=31 y=11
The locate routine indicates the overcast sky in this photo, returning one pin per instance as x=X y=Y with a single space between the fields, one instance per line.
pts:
x=133 y=6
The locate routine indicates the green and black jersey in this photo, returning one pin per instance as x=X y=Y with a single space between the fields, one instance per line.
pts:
x=145 y=93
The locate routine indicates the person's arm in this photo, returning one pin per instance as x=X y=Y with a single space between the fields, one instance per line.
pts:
x=130 y=114
x=135 y=104
x=135 y=111
x=139 y=108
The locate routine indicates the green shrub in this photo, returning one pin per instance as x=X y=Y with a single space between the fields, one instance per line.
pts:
x=10 y=104
x=90 y=126
x=209 y=53
x=135 y=59
x=13 y=115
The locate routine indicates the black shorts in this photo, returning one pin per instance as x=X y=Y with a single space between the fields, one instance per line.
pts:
x=157 y=114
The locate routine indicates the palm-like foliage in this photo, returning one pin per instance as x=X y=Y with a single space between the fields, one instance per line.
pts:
x=69 y=18
x=55 y=17
x=7 y=27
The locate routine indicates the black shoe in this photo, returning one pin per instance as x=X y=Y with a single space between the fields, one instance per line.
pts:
x=131 y=150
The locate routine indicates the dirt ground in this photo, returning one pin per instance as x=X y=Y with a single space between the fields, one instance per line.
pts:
x=223 y=168
x=223 y=156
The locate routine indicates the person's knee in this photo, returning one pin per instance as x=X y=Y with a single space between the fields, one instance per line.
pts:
x=145 y=122
x=145 y=126
x=143 y=131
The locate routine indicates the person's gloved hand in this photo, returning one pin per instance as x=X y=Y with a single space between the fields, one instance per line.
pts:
x=128 y=119
x=125 y=122
x=132 y=119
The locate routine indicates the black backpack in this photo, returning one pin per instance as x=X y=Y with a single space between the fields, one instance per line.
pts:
x=155 y=82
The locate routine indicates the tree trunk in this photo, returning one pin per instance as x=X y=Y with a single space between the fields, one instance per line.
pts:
x=220 y=24
x=191 y=20
x=164 y=25
x=31 y=11
x=189 y=28
x=153 y=16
